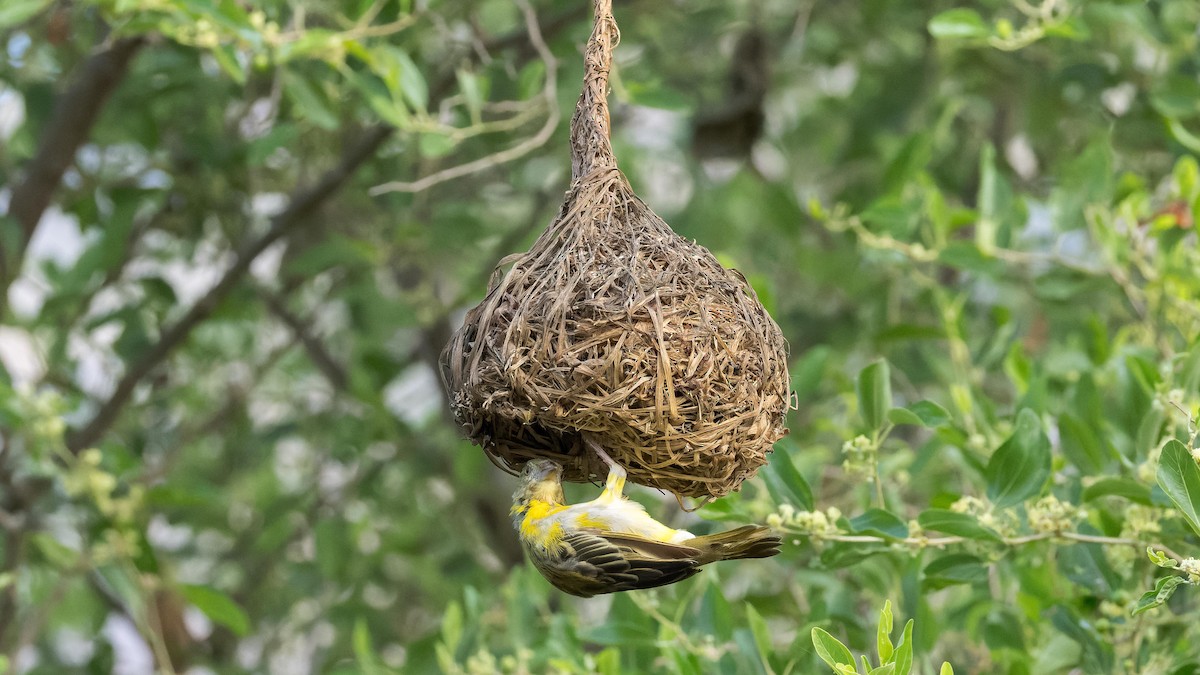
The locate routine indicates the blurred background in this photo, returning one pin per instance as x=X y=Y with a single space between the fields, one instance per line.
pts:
x=237 y=235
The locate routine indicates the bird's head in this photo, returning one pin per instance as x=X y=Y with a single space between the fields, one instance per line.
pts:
x=540 y=481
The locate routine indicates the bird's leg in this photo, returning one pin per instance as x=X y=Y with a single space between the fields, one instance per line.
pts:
x=614 y=485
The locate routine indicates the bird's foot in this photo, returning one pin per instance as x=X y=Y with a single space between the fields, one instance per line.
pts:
x=614 y=485
x=595 y=447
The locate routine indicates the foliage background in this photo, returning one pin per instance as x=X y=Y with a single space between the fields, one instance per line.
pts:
x=236 y=237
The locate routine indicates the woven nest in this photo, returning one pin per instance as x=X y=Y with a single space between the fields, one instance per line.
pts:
x=614 y=326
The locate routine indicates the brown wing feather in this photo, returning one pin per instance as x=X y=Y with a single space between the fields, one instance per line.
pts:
x=658 y=549
x=593 y=563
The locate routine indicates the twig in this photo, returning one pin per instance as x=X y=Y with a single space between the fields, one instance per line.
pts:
x=74 y=116
x=942 y=542
x=321 y=358
x=515 y=152
x=303 y=205
x=215 y=422
x=1193 y=429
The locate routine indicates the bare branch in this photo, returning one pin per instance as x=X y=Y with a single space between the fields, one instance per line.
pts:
x=509 y=154
x=74 y=116
x=303 y=205
x=321 y=358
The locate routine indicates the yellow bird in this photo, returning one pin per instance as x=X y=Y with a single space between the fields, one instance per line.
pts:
x=611 y=544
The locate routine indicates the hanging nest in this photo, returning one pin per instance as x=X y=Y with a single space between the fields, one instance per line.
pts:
x=614 y=326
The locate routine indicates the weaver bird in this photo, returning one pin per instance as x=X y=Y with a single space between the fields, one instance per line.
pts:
x=611 y=544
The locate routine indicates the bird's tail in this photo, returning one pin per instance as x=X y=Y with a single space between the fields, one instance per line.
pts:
x=750 y=541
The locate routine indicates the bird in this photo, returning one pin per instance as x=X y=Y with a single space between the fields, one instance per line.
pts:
x=611 y=544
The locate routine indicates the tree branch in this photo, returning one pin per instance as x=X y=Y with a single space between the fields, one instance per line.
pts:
x=942 y=542
x=74 y=116
x=320 y=357
x=549 y=95
x=302 y=206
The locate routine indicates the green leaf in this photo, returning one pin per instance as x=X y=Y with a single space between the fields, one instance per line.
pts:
x=227 y=59
x=952 y=569
x=904 y=650
x=923 y=413
x=883 y=635
x=1182 y=135
x=952 y=522
x=55 y=553
x=472 y=92
x=378 y=97
x=904 y=416
x=761 y=633
x=1186 y=175
x=965 y=255
x=1020 y=466
x=686 y=663
x=880 y=523
x=1179 y=477
x=1081 y=445
x=1097 y=653
x=1127 y=488
x=947 y=669
x=785 y=483
x=608 y=661
x=809 y=372
x=15 y=12
x=715 y=615
x=435 y=145
x=1001 y=629
x=313 y=43
x=452 y=625
x=282 y=135
x=1149 y=430
x=309 y=100
x=1160 y=558
x=657 y=94
x=364 y=651
x=218 y=607
x=401 y=75
x=958 y=23
x=727 y=508
x=986 y=199
x=874 y=394
x=932 y=414
x=831 y=650
x=1164 y=588
x=1144 y=371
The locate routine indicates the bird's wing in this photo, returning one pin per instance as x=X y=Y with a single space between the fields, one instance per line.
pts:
x=645 y=546
x=591 y=563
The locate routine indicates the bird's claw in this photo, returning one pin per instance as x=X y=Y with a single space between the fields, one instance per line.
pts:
x=614 y=485
x=595 y=447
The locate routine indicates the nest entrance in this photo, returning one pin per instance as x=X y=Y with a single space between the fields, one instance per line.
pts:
x=613 y=325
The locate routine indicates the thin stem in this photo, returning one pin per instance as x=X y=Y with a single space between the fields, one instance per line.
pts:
x=941 y=542
x=509 y=154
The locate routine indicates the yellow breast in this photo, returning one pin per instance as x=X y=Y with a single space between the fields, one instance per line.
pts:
x=539 y=527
